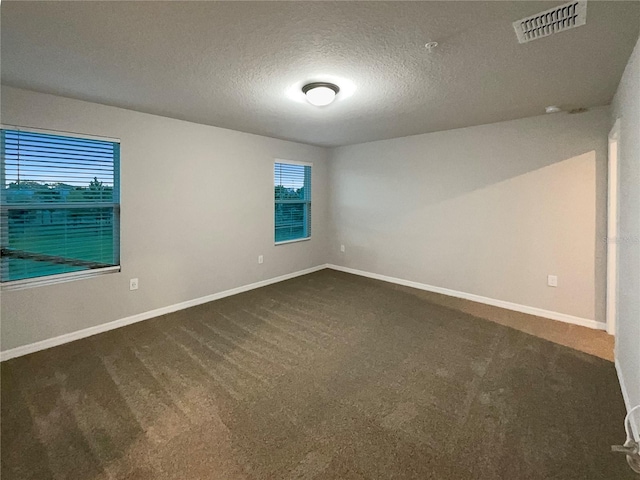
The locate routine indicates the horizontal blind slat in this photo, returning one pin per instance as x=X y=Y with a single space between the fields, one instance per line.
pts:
x=57 y=163
x=48 y=137
x=43 y=152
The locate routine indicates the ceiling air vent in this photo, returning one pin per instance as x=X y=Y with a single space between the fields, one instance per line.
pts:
x=554 y=20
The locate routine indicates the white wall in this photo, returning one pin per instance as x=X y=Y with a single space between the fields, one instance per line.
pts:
x=488 y=210
x=626 y=106
x=197 y=210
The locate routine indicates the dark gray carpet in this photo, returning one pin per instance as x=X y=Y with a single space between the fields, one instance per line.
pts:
x=327 y=376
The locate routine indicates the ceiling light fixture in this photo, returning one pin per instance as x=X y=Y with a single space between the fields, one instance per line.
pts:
x=320 y=93
x=552 y=109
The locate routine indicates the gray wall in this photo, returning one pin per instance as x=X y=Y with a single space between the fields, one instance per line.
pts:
x=197 y=210
x=626 y=106
x=488 y=210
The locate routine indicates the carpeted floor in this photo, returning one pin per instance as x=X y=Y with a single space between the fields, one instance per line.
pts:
x=326 y=376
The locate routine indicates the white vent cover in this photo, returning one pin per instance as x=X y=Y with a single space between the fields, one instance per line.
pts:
x=554 y=20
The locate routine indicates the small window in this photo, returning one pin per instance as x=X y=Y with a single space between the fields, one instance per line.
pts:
x=60 y=213
x=292 y=185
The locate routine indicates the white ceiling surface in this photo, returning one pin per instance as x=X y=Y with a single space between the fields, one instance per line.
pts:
x=240 y=65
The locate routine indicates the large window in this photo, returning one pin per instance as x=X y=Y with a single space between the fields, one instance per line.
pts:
x=292 y=185
x=60 y=210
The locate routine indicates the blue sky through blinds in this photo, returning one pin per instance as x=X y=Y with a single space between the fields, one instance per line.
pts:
x=288 y=175
x=51 y=159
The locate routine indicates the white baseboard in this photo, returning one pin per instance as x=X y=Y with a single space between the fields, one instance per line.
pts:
x=539 y=312
x=635 y=428
x=87 y=332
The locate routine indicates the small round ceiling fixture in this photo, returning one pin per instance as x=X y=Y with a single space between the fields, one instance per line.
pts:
x=552 y=109
x=320 y=93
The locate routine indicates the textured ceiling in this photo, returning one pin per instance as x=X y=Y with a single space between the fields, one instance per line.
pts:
x=240 y=65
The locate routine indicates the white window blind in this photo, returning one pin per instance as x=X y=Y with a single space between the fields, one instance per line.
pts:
x=292 y=188
x=60 y=210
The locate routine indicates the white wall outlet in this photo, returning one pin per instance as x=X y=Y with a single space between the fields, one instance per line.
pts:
x=260 y=259
x=552 y=280
x=133 y=284
x=342 y=248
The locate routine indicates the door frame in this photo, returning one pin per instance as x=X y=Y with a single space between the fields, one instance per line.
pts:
x=612 y=227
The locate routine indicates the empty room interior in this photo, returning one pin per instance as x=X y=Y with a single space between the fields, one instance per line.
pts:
x=320 y=240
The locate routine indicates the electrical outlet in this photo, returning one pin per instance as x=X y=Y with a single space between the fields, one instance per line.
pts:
x=342 y=248
x=552 y=280
x=260 y=259
x=133 y=284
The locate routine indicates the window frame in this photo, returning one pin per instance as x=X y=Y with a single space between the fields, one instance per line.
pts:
x=24 y=283
x=309 y=202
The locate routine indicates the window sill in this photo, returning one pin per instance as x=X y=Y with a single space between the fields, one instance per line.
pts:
x=53 y=279
x=292 y=241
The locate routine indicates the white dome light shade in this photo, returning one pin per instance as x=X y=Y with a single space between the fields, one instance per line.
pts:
x=320 y=94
